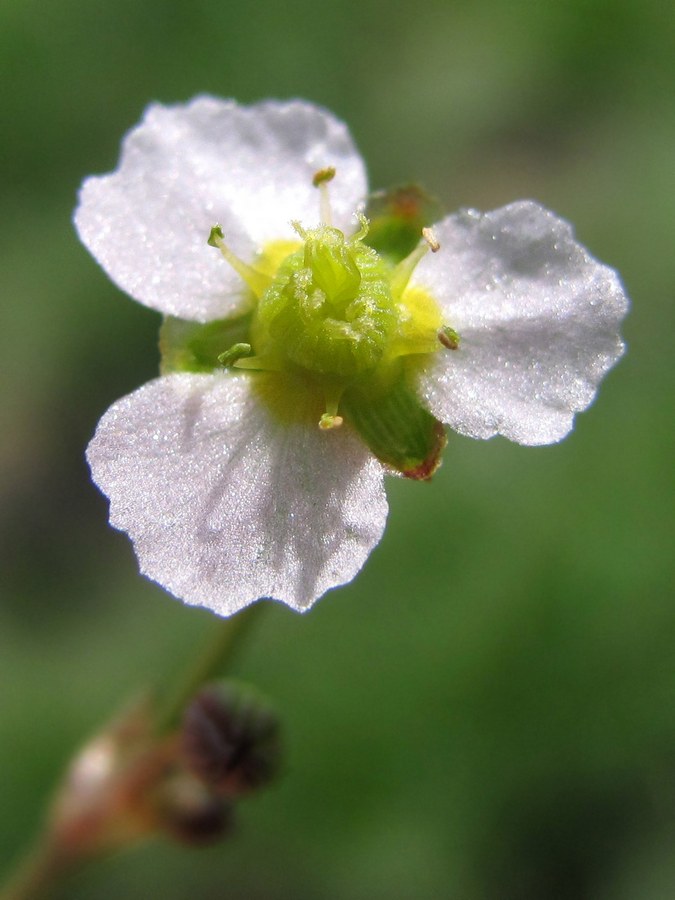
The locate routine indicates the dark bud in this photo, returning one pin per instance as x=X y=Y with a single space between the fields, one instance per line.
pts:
x=193 y=815
x=230 y=740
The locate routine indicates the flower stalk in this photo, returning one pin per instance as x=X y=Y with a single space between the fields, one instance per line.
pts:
x=215 y=659
x=42 y=868
x=132 y=781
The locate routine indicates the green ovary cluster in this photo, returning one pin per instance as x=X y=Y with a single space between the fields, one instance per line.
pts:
x=335 y=325
x=329 y=309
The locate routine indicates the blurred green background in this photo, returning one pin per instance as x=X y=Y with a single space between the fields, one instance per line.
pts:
x=488 y=712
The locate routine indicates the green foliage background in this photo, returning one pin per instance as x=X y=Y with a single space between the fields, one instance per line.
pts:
x=488 y=712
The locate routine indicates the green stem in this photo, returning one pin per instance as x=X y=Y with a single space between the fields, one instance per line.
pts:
x=38 y=872
x=50 y=860
x=211 y=664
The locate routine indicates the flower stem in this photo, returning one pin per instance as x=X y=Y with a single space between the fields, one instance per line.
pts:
x=66 y=841
x=38 y=872
x=212 y=663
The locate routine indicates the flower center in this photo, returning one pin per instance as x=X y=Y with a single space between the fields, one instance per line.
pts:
x=329 y=309
x=335 y=311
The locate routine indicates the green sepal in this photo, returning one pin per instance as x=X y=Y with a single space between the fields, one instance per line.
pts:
x=397 y=218
x=193 y=347
x=400 y=432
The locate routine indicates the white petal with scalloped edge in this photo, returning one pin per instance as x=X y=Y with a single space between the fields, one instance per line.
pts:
x=186 y=168
x=538 y=320
x=225 y=503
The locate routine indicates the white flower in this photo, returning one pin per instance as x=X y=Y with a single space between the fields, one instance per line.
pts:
x=221 y=477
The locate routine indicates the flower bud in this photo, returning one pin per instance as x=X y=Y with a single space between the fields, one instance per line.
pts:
x=192 y=814
x=230 y=741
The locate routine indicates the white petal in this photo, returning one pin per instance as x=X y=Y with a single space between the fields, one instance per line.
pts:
x=187 y=168
x=538 y=320
x=225 y=504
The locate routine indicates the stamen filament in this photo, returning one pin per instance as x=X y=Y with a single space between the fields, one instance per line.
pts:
x=320 y=181
x=403 y=271
x=257 y=364
x=257 y=281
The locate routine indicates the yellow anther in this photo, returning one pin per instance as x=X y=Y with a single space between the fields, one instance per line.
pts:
x=448 y=337
x=431 y=239
x=328 y=422
x=234 y=354
x=330 y=419
x=323 y=175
